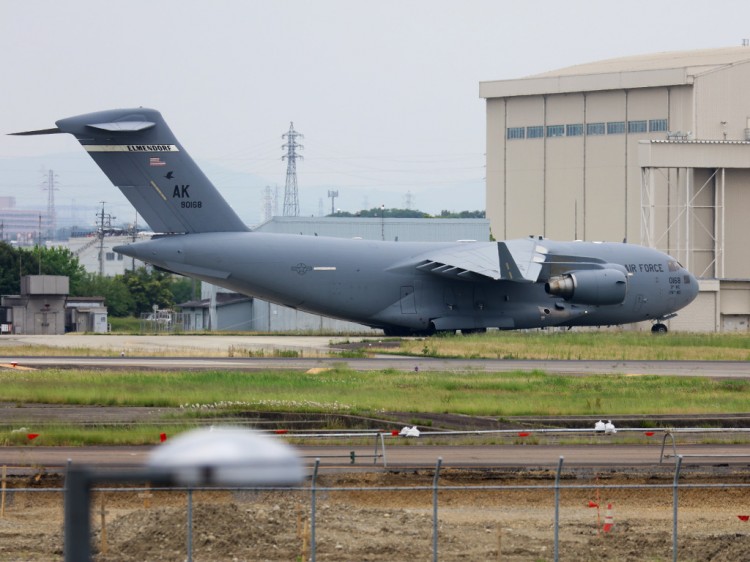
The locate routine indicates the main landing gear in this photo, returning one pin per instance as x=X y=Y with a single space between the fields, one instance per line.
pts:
x=659 y=328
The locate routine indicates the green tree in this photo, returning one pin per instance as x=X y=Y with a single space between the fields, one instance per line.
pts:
x=10 y=281
x=116 y=295
x=377 y=212
x=148 y=289
x=444 y=214
x=184 y=289
x=16 y=262
x=52 y=261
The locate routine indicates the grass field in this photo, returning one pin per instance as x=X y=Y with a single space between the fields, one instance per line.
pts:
x=342 y=390
x=366 y=393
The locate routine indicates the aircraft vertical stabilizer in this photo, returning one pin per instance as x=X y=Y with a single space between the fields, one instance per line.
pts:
x=140 y=155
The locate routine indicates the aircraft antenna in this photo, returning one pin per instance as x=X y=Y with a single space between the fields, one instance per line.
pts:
x=291 y=195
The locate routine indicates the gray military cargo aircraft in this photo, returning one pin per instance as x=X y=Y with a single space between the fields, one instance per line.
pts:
x=401 y=287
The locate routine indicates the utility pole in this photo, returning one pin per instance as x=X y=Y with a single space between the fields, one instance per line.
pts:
x=333 y=194
x=291 y=195
x=39 y=244
x=105 y=221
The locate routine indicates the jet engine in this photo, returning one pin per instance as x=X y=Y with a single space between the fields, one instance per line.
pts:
x=589 y=286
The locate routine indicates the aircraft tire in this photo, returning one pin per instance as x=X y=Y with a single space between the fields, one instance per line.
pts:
x=659 y=328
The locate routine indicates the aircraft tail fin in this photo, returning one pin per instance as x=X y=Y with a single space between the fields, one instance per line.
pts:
x=140 y=155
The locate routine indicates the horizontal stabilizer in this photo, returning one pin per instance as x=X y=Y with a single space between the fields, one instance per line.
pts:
x=39 y=132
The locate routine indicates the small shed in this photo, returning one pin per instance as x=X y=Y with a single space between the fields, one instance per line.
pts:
x=40 y=308
x=234 y=312
x=86 y=314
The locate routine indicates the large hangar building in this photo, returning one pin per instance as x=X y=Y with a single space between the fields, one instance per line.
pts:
x=654 y=149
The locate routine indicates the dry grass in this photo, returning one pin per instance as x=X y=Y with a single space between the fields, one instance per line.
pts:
x=622 y=346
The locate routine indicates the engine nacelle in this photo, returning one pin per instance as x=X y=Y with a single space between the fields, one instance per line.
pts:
x=590 y=286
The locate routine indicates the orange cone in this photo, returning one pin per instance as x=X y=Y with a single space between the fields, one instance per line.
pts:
x=609 y=519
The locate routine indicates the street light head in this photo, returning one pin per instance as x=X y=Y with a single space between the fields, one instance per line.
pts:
x=228 y=456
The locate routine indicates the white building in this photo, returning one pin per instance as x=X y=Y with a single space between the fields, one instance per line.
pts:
x=653 y=149
x=96 y=254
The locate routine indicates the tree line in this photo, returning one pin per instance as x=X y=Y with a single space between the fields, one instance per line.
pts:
x=379 y=212
x=128 y=294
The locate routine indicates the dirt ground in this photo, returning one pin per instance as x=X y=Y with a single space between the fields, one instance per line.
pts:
x=394 y=524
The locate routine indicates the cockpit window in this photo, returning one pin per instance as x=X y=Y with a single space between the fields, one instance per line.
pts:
x=674 y=265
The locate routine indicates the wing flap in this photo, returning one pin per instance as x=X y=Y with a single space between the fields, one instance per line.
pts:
x=513 y=260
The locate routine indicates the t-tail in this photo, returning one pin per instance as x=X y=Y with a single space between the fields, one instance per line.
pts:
x=139 y=154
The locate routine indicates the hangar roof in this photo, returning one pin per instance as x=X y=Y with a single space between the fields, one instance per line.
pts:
x=405 y=230
x=640 y=71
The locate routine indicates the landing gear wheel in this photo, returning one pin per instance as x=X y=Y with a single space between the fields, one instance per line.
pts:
x=659 y=328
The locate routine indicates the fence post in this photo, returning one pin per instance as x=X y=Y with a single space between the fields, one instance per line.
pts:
x=313 y=546
x=382 y=448
x=2 y=502
x=435 y=510
x=674 y=507
x=557 y=509
x=190 y=525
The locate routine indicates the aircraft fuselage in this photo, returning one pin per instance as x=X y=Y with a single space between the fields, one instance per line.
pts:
x=376 y=283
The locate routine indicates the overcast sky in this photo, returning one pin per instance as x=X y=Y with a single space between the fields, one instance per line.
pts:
x=385 y=92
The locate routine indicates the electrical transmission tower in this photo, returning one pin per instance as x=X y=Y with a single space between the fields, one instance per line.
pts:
x=408 y=200
x=267 y=204
x=49 y=186
x=291 y=195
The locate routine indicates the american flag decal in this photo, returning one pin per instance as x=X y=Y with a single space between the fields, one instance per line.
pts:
x=156 y=161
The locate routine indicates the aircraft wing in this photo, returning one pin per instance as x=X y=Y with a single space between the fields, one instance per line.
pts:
x=513 y=260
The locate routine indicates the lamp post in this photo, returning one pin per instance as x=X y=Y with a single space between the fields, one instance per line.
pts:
x=202 y=457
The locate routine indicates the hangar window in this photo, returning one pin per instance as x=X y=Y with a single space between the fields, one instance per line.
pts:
x=536 y=132
x=637 y=127
x=574 y=130
x=516 y=132
x=595 y=129
x=555 y=130
x=655 y=125
x=110 y=256
x=615 y=127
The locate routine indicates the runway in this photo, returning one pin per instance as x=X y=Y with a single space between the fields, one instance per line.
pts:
x=712 y=369
x=210 y=352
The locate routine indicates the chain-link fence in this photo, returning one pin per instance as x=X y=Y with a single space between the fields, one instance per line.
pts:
x=437 y=514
